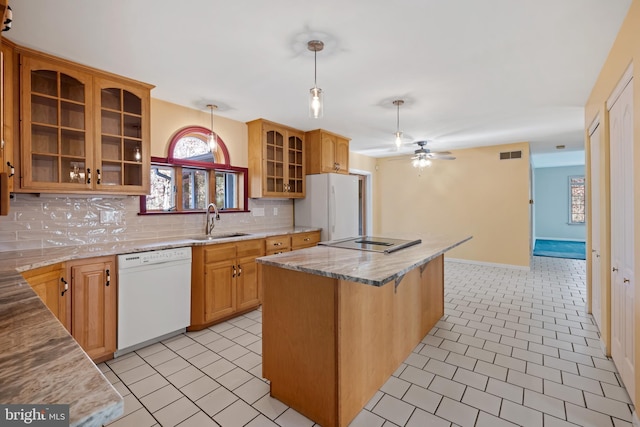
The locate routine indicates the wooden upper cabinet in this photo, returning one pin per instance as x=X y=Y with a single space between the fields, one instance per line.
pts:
x=326 y=152
x=82 y=130
x=57 y=128
x=276 y=160
x=122 y=135
x=7 y=115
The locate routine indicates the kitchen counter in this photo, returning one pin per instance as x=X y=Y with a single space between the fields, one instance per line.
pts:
x=371 y=268
x=40 y=362
x=336 y=323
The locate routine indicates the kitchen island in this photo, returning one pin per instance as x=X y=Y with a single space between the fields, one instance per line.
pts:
x=338 y=322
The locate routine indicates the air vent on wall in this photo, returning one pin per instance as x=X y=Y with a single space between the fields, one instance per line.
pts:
x=510 y=155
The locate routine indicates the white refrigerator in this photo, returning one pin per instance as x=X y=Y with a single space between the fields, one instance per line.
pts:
x=331 y=203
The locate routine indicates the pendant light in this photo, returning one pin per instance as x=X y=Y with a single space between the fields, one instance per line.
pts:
x=213 y=138
x=398 y=103
x=315 y=93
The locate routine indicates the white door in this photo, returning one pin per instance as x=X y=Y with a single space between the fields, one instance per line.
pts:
x=622 y=253
x=596 y=283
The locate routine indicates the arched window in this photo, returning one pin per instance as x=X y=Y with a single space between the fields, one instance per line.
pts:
x=192 y=176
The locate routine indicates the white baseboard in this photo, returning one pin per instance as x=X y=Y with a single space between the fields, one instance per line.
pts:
x=603 y=347
x=488 y=264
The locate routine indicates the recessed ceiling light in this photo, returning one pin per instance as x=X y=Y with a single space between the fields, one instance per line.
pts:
x=560 y=147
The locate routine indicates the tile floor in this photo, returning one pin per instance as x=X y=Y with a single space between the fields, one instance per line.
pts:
x=515 y=348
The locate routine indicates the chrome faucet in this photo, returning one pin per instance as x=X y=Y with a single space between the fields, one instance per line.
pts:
x=211 y=222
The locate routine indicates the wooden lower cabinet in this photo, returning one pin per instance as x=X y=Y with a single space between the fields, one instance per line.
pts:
x=278 y=244
x=53 y=289
x=94 y=305
x=224 y=281
x=304 y=240
x=291 y=242
x=82 y=294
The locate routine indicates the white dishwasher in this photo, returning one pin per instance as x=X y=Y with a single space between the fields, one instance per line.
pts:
x=154 y=296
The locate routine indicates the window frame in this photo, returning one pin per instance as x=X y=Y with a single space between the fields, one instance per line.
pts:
x=177 y=164
x=584 y=198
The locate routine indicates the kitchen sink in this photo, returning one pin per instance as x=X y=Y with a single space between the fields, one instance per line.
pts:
x=218 y=236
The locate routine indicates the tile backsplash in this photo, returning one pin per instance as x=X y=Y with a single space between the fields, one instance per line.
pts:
x=41 y=221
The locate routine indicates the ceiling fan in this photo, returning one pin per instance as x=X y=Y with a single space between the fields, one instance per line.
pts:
x=423 y=155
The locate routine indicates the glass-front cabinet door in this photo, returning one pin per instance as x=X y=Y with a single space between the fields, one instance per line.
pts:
x=122 y=137
x=274 y=146
x=56 y=127
x=296 y=176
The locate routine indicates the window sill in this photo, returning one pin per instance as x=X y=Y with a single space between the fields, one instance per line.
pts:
x=226 y=211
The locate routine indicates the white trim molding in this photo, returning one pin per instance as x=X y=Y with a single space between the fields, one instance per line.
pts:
x=594 y=125
x=624 y=81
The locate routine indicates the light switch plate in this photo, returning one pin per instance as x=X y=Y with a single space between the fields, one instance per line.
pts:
x=258 y=211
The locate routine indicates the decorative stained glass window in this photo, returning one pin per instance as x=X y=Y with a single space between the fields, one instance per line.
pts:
x=577 y=200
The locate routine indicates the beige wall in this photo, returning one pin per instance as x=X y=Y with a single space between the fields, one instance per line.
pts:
x=476 y=194
x=167 y=118
x=625 y=50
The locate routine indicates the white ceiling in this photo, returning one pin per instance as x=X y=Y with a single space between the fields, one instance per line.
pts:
x=471 y=72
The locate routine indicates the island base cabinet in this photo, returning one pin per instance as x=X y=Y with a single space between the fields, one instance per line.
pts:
x=330 y=344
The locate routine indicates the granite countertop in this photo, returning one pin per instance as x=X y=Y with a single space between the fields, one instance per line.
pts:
x=40 y=362
x=371 y=268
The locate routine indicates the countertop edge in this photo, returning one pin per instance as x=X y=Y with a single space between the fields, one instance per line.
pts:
x=280 y=260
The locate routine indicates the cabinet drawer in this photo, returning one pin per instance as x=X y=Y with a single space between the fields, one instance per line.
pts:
x=278 y=243
x=305 y=240
x=221 y=252
x=250 y=248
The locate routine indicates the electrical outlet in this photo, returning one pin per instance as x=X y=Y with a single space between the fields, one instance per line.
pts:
x=258 y=211
x=275 y=211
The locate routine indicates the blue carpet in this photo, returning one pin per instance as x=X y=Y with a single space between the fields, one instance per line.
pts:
x=559 y=249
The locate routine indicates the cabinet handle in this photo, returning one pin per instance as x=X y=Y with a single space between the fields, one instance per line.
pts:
x=277 y=244
x=306 y=239
x=614 y=269
x=98 y=170
x=234 y=271
x=12 y=169
x=239 y=270
x=108 y=278
x=88 y=176
x=66 y=286
x=625 y=281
